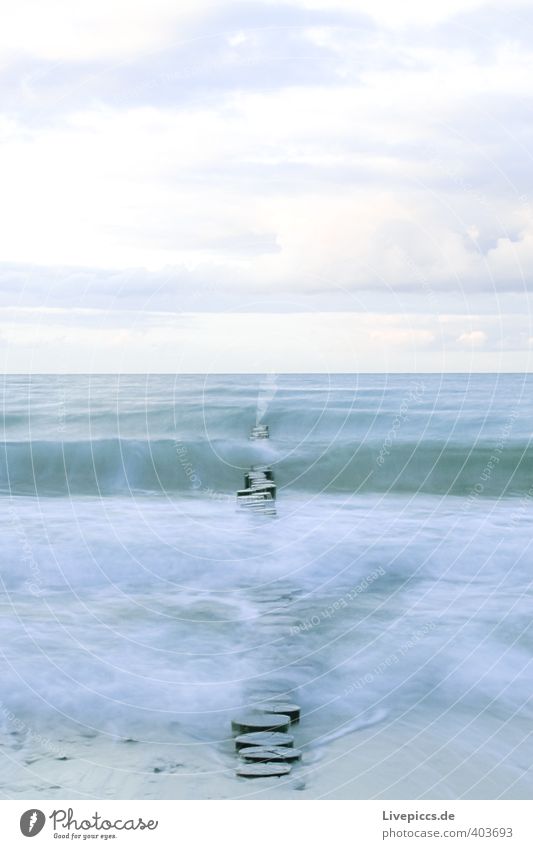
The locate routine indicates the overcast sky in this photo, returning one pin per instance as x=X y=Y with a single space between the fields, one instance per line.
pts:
x=310 y=185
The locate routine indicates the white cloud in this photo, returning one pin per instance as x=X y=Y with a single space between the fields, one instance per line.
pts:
x=405 y=170
x=475 y=338
x=63 y=30
x=391 y=13
x=89 y=340
x=117 y=188
x=237 y=38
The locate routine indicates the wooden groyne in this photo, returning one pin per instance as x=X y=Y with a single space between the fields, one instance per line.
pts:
x=262 y=741
x=259 y=492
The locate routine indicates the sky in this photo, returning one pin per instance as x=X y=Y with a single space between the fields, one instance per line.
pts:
x=308 y=185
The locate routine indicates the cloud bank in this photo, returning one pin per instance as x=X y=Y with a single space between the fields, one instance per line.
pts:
x=308 y=157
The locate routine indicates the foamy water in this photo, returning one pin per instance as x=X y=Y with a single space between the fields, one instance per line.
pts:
x=393 y=585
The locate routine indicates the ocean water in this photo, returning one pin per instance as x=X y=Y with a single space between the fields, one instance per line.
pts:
x=393 y=585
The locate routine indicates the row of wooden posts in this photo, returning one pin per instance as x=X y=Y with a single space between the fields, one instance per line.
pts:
x=263 y=740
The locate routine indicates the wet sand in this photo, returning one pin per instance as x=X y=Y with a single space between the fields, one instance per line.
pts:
x=389 y=761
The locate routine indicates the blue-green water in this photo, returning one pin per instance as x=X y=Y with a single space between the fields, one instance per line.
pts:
x=394 y=582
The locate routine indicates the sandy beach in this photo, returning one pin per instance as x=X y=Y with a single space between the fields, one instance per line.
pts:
x=384 y=761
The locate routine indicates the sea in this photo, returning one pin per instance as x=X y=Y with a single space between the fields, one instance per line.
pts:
x=393 y=585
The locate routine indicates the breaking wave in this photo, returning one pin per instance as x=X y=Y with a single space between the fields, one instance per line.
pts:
x=119 y=466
